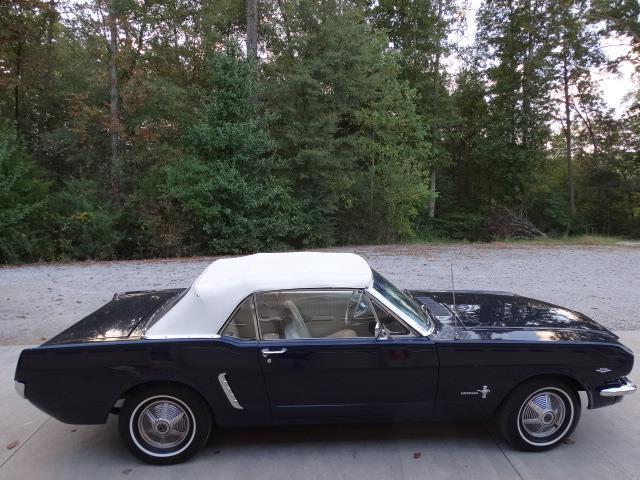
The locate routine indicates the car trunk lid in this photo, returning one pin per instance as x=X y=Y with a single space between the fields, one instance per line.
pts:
x=117 y=319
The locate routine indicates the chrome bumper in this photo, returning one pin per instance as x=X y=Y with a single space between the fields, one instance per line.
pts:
x=19 y=388
x=626 y=389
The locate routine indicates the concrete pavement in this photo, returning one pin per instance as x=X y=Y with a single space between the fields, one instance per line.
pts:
x=606 y=444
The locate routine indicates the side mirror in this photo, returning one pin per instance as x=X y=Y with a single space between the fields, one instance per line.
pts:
x=380 y=332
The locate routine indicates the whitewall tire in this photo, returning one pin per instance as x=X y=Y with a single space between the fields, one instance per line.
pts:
x=164 y=424
x=539 y=414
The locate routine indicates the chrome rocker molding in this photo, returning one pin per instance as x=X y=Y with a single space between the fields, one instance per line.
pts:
x=626 y=389
x=222 y=378
x=19 y=388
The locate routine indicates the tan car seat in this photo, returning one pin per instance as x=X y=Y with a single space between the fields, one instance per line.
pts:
x=295 y=327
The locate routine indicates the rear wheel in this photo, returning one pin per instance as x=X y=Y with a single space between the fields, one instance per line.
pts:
x=539 y=414
x=164 y=425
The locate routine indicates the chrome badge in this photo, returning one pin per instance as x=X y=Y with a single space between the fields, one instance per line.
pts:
x=603 y=370
x=485 y=390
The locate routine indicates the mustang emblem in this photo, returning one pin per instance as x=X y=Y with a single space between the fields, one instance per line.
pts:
x=485 y=390
x=603 y=370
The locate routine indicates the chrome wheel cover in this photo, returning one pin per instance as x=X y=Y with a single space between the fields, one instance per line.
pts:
x=163 y=424
x=543 y=414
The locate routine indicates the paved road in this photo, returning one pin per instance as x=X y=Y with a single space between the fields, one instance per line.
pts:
x=606 y=445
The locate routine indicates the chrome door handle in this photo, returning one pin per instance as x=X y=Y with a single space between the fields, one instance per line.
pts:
x=266 y=352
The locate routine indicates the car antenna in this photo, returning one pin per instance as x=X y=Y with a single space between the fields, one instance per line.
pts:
x=455 y=309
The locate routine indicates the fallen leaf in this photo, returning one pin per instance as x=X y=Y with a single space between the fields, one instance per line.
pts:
x=568 y=441
x=13 y=445
x=417 y=454
x=127 y=471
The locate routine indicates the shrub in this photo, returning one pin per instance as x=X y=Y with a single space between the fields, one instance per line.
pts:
x=84 y=226
x=22 y=202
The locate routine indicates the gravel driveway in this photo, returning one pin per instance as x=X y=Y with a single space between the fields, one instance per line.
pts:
x=37 y=301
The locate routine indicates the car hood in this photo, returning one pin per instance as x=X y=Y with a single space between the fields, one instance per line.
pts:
x=499 y=311
x=117 y=319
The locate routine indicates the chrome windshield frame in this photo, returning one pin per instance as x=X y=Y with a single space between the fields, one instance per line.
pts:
x=417 y=326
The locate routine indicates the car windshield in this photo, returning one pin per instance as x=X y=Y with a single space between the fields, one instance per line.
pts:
x=399 y=299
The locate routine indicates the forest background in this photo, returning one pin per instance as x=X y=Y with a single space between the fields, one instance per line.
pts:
x=144 y=128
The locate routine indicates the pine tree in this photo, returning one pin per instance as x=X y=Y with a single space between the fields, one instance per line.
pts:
x=515 y=52
x=227 y=185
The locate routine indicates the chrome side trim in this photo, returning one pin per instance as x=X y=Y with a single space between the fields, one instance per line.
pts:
x=626 y=389
x=19 y=388
x=175 y=337
x=222 y=378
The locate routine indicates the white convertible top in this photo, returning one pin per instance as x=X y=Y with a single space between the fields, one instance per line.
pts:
x=226 y=282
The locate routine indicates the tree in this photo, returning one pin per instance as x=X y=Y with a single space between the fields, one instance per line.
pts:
x=144 y=128
x=620 y=17
x=112 y=47
x=578 y=54
x=608 y=167
x=335 y=99
x=471 y=173
x=252 y=29
x=23 y=29
x=418 y=32
x=515 y=53
x=22 y=201
x=227 y=183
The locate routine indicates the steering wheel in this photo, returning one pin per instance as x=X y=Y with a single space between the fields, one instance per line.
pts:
x=356 y=299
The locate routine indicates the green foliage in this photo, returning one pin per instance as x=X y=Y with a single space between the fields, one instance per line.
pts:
x=355 y=145
x=520 y=86
x=82 y=226
x=348 y=129
x=227 y=182
x=391 y=151
x=22 y=201
x=455 y=226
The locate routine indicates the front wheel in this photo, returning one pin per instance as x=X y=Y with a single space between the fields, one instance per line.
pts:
x=539 y=414
x=164 y=425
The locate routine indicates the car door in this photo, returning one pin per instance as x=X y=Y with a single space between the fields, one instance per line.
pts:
x=234 y=361
x=320 y=358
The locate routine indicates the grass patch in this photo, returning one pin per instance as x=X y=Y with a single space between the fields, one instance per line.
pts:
x=585 y=240
x=595 y=240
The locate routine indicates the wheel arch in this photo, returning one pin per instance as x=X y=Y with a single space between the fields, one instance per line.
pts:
x=563 y=377
x=117 y=404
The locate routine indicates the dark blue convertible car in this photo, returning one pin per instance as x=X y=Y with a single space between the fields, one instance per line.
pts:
x=321 y=337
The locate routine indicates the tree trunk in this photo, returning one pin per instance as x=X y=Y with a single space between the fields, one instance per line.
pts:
x=527 y=75
x=17 y=90
x=285 y=24
x=48 y=90
x=51 y=21
x=436 y=86
x=432 y=199
x=252 y=29
x=113 y=103
x=567 y=135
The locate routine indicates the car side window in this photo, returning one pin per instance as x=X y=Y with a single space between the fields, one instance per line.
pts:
x=391 y=324
x=242 y=322
x=307 y=314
